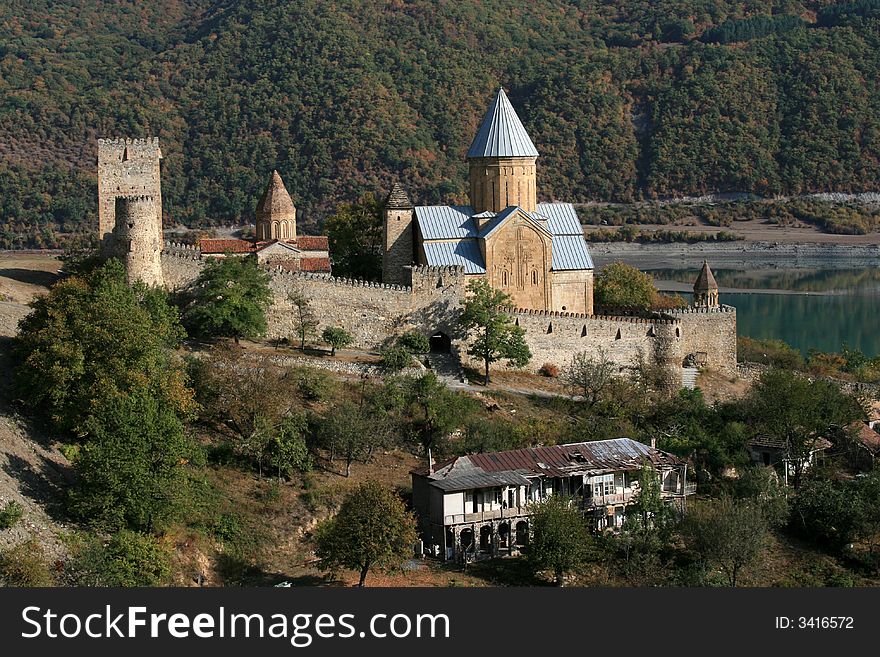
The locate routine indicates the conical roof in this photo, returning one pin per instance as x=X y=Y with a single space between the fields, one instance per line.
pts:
x=502 y=133
x=275 y=201
x=705 y=281
x=397 y=198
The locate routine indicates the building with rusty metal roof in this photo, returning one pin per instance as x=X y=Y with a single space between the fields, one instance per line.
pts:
x=480 y=504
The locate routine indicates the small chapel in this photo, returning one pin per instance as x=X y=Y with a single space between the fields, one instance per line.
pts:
x=535 y=252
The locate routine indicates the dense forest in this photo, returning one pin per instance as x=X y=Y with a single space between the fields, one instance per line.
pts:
x=625 y=99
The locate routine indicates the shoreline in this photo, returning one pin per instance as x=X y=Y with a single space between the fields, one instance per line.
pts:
x=736 y=255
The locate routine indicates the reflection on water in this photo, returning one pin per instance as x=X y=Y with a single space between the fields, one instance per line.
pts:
x=796 y=280
x=847 y=312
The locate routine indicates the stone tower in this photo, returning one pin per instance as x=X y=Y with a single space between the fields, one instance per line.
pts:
x=705 y=288
x=134 y=239
x=398 y=233
x=128 y=167
x=276 y=216
x=501 y=161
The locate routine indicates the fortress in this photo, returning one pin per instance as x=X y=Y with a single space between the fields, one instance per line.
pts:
x=535 y=252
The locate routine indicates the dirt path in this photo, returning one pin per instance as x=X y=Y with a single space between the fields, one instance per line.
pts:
x=33 y=473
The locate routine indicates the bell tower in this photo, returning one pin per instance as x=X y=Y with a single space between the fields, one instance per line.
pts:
x=705 y=288
x=501 y=161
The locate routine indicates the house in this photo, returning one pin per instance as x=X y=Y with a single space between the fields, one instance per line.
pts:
x=774 y=452
x=866 y=441
x=479 y=505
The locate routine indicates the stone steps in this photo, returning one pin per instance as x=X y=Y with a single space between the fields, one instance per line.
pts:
x=689 y=377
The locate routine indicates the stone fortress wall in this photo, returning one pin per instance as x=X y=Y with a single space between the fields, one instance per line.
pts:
x=128 y=167
x=431 y=302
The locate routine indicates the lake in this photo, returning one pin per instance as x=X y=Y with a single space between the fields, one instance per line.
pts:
x=808 y=308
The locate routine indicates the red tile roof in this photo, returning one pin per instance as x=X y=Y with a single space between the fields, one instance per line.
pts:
x=312 y=242
x=223 y=245
x=315 y=264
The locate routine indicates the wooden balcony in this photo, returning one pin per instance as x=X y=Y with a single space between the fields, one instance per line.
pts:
x=484 y=516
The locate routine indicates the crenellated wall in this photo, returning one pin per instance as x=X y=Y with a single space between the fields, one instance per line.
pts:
x=128 y=167
x=431 y=303
x=709 y=331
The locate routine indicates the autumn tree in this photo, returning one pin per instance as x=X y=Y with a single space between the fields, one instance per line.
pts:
x=497 y=337
x=372 y=530
x=620 y=285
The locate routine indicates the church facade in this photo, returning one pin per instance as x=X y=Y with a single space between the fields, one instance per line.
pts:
x=534 y=252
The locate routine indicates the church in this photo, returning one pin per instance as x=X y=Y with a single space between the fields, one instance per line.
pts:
x=534 y=252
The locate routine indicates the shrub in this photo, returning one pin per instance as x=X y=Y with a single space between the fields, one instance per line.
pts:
x=414 y=342
x=126 y=559
x=10 y=514
x=24 y=565
x=313 y=384
x=395 y=358
x=337 y=337
x=549 y=370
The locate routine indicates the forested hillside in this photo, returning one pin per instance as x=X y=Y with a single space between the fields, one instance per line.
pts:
x=625 y=99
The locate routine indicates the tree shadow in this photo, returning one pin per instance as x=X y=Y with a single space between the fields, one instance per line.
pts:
x=45 y=484
x=34 y=277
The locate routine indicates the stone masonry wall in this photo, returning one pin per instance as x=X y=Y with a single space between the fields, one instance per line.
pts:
x=372 y=312
x=134 y=239
x=711 y=331
x=128 y=167
x=555 y=337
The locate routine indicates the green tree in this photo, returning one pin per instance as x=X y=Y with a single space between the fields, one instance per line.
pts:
x=352 y=432
x=244 y=401
x=620 y=285
x=288 y=451
x=728 y=533
x=799 y=413
x=414 y=342
x=355 y=235
x=229 y=299
x=561 y=539
x=497 y=336
x=304 y=320
x=432 y=411
x=131 y=469
x=93 y=338
x=337 y=337
x=373 y=529
x=395 y=358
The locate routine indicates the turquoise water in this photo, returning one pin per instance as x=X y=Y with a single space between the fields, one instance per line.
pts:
x=829 y=308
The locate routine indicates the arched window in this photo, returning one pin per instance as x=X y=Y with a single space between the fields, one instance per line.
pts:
x=274 y=230
x=504 y=278
x=534 y=277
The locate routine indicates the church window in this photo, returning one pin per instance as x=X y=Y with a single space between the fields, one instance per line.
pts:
x=534 y=277
x=504 y=278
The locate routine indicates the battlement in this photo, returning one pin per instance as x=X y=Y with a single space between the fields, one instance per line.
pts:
x=129 y=141
x=283 y=273
x=140 y=198
x=430 y=270
x=622 y=319
x=700 y=310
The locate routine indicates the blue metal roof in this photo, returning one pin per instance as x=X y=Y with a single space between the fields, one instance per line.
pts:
x=465 y=253
x=561 y=218
x=570 y=252
x=496 y=221
x=502 y=133
x=445 y=222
